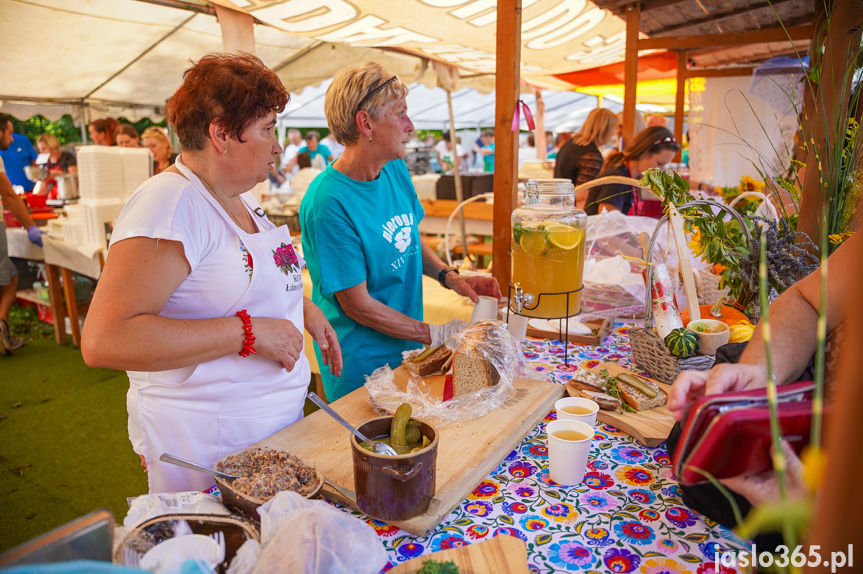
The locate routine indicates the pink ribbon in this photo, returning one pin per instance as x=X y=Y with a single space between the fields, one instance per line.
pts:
x=528 y=117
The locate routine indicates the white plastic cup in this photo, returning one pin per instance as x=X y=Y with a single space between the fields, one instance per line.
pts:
x=567 y=459
x=588 y=418
x=484 y=310
x=517 y=326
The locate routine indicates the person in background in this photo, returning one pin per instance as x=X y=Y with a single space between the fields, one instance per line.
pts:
x=295 y=142
x=638 y=125
x=657 y=121
x=201 y=298
x=17 y=155
x=8 y=272
x=102 y=131
x=127 y=136
x=549 y=143
x=527 y=152
x=561 y=139
x=156 y=140
x=483 y=149
x=651 y=147
x=320 y=154
x=335 y=147
x=443 y=151
x=579 y=159
x=305 y=176
x=361 y=240
x=56 y=163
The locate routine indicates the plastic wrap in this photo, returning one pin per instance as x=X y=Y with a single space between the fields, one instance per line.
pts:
x=487 y=340
x=310 y=536
x=146 y=506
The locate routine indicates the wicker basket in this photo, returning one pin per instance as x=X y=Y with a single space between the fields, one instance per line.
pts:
x=279 y=219
x=648 y=350
x=707 y=287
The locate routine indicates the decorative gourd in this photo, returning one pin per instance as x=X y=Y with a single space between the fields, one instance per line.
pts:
x=682 y=343
x=729 y=315
x=741 y=332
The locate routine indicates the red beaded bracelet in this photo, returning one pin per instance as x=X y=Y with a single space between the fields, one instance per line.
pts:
x=248 y=349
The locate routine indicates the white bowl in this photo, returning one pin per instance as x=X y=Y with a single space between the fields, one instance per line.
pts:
x=712 y=334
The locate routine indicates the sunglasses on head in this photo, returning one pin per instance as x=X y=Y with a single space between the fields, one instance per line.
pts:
x=375 y=91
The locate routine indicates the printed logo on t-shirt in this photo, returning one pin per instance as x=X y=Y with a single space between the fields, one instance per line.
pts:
x=398 y=231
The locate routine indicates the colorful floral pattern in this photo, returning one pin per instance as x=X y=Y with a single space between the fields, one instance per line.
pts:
x=627 y=515
x=248 y=264
x=286 y=259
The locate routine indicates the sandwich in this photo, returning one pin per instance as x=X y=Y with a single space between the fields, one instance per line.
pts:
x=429 y=362
x=626 y=391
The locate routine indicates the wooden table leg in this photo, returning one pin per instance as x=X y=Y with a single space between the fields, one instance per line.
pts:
x=71 y=305
x=58 y=312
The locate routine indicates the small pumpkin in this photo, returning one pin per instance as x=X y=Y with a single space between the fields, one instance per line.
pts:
x=741 y=332
x=728 y=315
x=682 y=343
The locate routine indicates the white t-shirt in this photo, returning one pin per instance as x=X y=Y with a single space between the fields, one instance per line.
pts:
x=289 y=153
x=445 y=153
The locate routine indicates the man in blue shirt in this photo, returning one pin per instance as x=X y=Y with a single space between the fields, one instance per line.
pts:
x=16 y=157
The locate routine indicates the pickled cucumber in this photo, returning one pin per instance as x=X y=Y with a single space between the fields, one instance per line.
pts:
x=398 y=429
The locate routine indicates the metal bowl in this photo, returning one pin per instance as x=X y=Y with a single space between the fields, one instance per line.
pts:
x=35 y=173
x=245 y=505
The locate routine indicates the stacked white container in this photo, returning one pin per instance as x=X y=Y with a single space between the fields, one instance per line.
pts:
x=107 y=176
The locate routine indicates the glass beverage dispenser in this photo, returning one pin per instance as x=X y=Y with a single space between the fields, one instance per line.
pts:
x=548 y=251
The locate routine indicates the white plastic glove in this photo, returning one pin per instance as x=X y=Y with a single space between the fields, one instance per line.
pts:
x=442 y=334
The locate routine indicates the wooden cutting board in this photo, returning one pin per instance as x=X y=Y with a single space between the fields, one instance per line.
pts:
x=502 y=554
x=600 y=328
x=467 y=452
x=649 y=427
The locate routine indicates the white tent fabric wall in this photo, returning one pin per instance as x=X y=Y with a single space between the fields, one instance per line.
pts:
x=733 y=132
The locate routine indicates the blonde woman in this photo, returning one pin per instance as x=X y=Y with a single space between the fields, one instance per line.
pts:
x=360 y=221
x=156 y=140
x=55 y=162
x=579 y=158
x=637 y=126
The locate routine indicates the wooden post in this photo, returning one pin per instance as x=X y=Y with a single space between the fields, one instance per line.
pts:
x=507 y=80
x=457 y=167
x=630 y=69
x=680 y=101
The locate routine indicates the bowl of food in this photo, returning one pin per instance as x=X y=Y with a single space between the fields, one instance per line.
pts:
x=712 y=334
x=264 y=472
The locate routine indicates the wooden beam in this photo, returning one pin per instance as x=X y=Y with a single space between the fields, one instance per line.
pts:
x=507 y=79
x=738 y=38
x=720 y=72
x=630 y=69
x=619 y=8
x=714 y=18
x=679 y=97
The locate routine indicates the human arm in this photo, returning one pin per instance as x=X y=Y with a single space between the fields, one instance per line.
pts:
x=793 y=322
x=324 y=335
x=470 y=287
x=15 y=203
x=124 y=330
x=361 y=307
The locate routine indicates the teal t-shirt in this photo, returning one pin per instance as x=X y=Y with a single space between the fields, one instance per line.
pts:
x=363 y=231
x=321 y=151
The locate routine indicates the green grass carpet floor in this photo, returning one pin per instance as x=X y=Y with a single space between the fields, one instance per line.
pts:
x=64 y=447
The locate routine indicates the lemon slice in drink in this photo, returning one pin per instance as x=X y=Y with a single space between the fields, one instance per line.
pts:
x=533 y=242
x=564 y=236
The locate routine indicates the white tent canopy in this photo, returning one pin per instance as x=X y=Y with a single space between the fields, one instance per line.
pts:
x=94 y=58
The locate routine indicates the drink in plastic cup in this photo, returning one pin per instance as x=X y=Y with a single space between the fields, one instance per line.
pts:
x=577 y=409
x=484 y=310
x=568 y=446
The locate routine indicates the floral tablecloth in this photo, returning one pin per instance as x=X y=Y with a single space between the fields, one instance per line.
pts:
x=627 y=515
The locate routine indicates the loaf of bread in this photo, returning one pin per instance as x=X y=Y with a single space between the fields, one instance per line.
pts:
x=429 y=362
x=474 y=362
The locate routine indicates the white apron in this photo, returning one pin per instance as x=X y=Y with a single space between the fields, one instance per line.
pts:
x=226 y=405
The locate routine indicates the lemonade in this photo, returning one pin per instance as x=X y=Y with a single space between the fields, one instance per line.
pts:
x=548 y=257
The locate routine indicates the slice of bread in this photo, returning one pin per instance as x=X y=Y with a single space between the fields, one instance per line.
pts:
x=471 y=373
x=638 y=400
x=587 y=381
x=605 y=402
x=431 y=364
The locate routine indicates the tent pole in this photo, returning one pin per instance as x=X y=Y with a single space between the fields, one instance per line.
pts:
x=84 y=123
x=459 y=193
x=507 y=61
x=630 y=69
x=679 y=101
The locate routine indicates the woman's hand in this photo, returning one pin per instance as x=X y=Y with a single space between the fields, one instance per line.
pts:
x=277 y=339
x=473 y=286
x=690 y=386
x=324 y=335
x=763 y=488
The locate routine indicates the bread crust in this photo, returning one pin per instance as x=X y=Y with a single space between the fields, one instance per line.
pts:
x=638 y=400
x=431 y=365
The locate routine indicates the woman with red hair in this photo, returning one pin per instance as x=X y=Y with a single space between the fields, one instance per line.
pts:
x=201 y=299
x=102 y=131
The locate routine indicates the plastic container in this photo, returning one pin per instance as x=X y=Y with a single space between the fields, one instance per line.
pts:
x=548 y=250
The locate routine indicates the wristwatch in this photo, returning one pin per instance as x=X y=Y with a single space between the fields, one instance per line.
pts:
x=441 y=276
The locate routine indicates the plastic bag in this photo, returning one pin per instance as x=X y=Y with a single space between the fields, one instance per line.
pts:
x=488 y=340
x=149 y=506
x=312 y=536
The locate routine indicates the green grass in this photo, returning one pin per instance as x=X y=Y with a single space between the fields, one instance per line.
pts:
x=64 y=447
